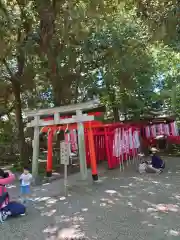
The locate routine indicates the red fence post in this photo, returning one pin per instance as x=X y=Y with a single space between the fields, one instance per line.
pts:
x=92 y=154
x=107 y=149
x=49 y=153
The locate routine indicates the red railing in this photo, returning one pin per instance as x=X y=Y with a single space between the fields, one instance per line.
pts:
x=104 y=141
x=174 y=139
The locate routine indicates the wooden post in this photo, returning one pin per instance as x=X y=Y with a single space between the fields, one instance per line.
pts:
x=49 y=153
x=64 y=155
x=82 y=153
x=35 y=148
x=107 y=149
x=92 y=154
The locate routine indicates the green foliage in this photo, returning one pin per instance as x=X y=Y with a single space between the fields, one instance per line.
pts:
x=6 y=130
x=52 y=51
x=121 y=51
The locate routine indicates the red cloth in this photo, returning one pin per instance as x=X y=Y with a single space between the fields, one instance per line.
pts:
x=5 y=181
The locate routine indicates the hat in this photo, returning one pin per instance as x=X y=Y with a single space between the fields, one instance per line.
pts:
x=3 y=174
x=159 y=137
x=154 y=150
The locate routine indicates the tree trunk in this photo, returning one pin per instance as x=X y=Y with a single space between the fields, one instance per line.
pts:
x=116 y=114
x=52 y=48
x=19 y=121
x=76 y=94
x=112 y=98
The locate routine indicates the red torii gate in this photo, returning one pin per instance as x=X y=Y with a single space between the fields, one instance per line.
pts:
x=60 y=122
x=94 y=131
x=56 y=128
x=78 y=115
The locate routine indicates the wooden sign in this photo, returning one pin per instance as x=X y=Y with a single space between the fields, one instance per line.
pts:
x=64 y=154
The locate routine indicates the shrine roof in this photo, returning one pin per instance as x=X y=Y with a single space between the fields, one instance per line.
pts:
x=158 y=119
x=68 y=114
x=149 y=119
x=69 y=110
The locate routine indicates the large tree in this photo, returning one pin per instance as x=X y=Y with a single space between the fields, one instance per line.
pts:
x=16 y=68
x=52 y=51
x=121 y=51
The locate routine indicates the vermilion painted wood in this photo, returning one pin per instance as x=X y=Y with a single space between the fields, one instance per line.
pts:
x=50 y=152
x=103 y=135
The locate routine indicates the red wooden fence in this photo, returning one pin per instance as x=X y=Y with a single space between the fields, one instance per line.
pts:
x=106 y=144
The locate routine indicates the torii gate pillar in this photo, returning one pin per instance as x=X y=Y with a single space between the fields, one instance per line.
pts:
x=35 y=148
x=81 y=146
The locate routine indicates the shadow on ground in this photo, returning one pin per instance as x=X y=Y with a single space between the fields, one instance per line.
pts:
x=125 y=205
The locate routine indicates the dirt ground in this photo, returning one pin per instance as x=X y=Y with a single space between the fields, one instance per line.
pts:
x=124 y=205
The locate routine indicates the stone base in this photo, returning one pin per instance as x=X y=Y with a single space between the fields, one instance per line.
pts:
x=49 y=174
x=95 y=177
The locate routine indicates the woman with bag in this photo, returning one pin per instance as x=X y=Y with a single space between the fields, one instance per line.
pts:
x=8 y=208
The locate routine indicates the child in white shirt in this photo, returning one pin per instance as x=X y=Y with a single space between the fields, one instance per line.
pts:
x=25 y=180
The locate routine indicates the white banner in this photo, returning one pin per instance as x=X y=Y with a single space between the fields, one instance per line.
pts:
x=136 y=139
x=130 y=139
x=166 y=129
x=153 y=130
x=147 y=131
x=176 y=129
x=117 y=143
x=126 y=141
x=161 y=129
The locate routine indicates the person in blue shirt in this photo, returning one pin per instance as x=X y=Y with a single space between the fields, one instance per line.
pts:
x=157 y=164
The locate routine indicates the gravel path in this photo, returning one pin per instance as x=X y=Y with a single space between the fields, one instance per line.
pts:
x=125 y=206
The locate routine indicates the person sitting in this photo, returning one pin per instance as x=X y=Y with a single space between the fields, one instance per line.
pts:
x=8 y=208
x=5 y=178
x=157 y=164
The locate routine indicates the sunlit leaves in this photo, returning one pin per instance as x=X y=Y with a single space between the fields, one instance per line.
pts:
x=161 y=18
x=121 y=50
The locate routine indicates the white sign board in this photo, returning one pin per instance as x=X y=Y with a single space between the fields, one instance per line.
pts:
x=64 y=153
